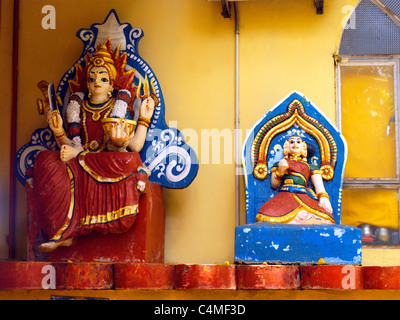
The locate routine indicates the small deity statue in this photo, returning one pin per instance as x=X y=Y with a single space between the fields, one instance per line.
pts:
x=94 y=182
x=296 y=202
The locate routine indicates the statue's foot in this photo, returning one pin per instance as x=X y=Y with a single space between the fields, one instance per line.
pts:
x=50 y=246
x=317 y=221
x=304 y=217
x=68 y=152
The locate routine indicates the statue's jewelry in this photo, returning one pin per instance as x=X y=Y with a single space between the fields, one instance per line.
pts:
x=97 y=110
x=144 y=121
x=96 y=114
x=323 y=195
x=295 y=157
x=60 y=136
x=278 y=176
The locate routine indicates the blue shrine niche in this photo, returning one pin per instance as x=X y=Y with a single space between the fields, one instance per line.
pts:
x=283 y=243
x=172 y=162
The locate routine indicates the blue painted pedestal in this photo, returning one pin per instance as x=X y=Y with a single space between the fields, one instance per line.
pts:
x=303 y=244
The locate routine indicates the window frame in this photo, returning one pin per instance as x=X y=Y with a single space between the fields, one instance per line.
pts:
x=388 y=183
x=373 y=183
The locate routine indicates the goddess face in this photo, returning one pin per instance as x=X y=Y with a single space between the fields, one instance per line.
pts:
x=295 y=145
x=99 y=84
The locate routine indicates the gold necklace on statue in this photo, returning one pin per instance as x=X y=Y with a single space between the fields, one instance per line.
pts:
x=96 y=114
x=97 y=110
x=297 y=158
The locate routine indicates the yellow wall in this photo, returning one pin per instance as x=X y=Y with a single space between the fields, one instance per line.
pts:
x=284 y=46
x=6 y=29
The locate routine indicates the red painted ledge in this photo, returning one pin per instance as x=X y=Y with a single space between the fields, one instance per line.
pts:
x=22 y=274
x=205 y=276
x=382 y=278
x=71 y=276
x=29 y=275
x=144 y=276
x=256 y=277
x=331 y=277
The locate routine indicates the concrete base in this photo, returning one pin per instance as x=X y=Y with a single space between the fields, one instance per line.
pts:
x=263 y=242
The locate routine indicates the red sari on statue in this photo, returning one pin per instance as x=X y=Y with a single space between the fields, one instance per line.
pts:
x=295 y=197
x=95 y=191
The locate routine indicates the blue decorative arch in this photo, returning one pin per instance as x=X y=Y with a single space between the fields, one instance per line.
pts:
x=172 y=162
x=259 y=191
x=283 y=243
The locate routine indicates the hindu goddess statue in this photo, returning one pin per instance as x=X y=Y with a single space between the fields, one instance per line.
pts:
x=94 y=182
x=296 y=202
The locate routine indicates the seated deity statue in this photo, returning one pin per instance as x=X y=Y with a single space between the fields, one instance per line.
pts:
x=94 y=182
x=296 y=202
x=294 y=160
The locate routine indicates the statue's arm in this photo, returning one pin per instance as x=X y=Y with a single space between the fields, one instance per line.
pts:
x=277 y=175
x=146 y=112
x=323 y=197
x=138 y=140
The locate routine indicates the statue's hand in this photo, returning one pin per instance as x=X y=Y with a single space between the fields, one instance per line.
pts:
x=283 y=166
x=326 y=204
x=55 y=121
x=120 y=133
x=147 y=108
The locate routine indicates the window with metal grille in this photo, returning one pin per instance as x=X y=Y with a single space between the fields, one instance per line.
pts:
x=368 y=116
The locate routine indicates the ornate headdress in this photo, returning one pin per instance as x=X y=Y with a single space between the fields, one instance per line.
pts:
x=113 y=61
x=102 y=58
